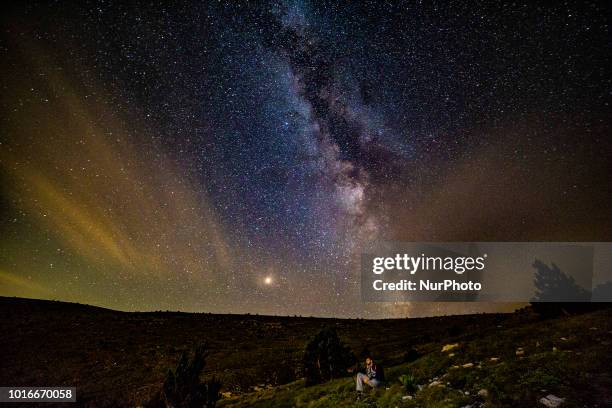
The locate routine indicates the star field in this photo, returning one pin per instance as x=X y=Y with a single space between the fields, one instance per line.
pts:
x=236 y=156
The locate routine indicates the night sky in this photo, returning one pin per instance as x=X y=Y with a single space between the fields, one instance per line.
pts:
x=236 y=157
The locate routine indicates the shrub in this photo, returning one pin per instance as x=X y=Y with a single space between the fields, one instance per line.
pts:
x=326 y=357
x=283 y=374
x=409 y=382
x=182 y=387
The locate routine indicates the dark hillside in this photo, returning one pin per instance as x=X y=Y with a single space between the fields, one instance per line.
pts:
x=121 y=358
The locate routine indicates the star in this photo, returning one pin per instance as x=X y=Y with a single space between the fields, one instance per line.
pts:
x=186 y=157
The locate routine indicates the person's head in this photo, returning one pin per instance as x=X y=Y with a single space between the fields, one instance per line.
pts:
x=369 y=360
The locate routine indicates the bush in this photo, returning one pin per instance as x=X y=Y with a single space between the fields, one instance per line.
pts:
x=326 y=357
x=283 y=374
x=182 y=387
x=409 y=382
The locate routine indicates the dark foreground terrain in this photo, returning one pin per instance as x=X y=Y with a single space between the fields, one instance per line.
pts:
x=120 y=359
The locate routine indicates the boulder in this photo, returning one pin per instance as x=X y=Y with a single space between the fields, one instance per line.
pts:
x=552 y=401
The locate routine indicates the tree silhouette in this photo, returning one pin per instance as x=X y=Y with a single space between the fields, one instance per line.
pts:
x=557 y=293
x=555 y=286
x=326 y=357
x=182 y=387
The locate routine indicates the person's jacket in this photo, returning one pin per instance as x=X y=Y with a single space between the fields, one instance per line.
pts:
x=375 y=372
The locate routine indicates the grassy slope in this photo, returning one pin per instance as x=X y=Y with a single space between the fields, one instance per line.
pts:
x=568 y=357
x=116 y=358
x=119 y=359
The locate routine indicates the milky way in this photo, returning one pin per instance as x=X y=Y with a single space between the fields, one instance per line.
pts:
x=233 y=157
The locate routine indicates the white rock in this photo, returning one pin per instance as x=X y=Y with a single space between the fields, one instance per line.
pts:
x=483 y=393
x=407 y=397
x=468 y=365
x=552 y=401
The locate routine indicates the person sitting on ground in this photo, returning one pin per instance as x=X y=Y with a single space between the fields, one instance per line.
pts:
x=373 y=375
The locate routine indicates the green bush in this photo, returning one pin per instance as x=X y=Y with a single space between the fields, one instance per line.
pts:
x=409 y=382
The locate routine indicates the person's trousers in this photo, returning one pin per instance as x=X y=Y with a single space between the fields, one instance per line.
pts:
x=372 y=382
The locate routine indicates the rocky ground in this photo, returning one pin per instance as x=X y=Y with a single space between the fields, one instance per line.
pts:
x=563 y=362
